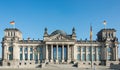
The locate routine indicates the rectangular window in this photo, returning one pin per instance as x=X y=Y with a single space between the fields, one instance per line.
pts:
x=88 y=57
x=31 y=49
x=93 y=57
x=99 y=50
x=83 y=57
x=26 y=49
x=89 y=49
x=10 y=57
x=31 y=56
x=109 y=49
x=94 y=49
x=54 y=53
x=11 y=49
x=20 y=49
x=99 y=57
x=78 y=57
x=41 y=56
x=26 y=56
x=78 y=49
x=109 y=57
x=21 y=57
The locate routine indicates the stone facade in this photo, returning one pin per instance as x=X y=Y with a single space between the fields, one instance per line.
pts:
x=59 y=47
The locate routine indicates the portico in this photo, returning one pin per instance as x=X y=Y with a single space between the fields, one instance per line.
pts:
x=58 y=53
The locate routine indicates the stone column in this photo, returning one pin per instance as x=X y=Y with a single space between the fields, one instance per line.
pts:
x=116 y=48
x=114 y=53
x=51 y=53
x=68 y=60
x=57 y=53
x=5 y=57
x=72 y=54
x=62 y=53
x=14 y=52
x=46 y=57
x=104 y=53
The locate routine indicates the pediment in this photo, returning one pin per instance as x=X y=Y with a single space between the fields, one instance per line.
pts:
x=59 y=37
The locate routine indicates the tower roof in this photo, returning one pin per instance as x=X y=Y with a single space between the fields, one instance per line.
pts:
x=12 y=29
x=108 y=30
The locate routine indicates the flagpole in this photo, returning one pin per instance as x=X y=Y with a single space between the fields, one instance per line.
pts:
x=104 y=22
x=91 y=45
x=14 y=26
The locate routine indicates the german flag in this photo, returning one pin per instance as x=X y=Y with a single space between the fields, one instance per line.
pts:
x=12 y=22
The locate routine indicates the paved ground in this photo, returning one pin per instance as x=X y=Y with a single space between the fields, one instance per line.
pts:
x=56 y=67
x=53 y=69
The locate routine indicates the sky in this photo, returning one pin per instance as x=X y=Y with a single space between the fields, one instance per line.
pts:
x=32 y=16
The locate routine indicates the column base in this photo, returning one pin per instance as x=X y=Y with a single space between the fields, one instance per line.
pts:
x=51 y=60
x=62 y=61
x=56 y=61
x=46 y=60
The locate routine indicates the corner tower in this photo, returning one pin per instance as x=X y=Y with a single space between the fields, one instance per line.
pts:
x=109 y=42
x=10 y=45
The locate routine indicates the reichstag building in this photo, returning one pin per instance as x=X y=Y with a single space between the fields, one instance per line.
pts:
x=59 y=48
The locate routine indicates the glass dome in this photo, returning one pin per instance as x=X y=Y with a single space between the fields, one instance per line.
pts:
x=58 y=32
